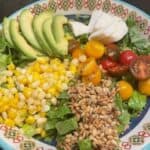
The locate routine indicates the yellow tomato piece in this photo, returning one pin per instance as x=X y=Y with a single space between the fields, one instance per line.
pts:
x=144 y=86
x=77 y=53
x=89 y=67
x=94 y=78
x=125 y=89
x=94 y=49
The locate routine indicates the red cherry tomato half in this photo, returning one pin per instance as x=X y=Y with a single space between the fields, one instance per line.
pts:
x=126 y=57
x=140 y=67
x=118 y=70
x=108 y=63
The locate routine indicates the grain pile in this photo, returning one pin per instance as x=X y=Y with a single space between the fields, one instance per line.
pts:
x=96 y=112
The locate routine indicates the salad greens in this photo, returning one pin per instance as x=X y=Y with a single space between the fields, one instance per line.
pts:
x=124 y=117
x=64 y=127
x=85 y=144
x=129 y=109
x=134 y=40
x=29 y=130
x=60 y=118
x=137 y=101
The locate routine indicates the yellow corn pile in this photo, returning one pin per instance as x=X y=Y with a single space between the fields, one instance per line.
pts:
x=27 y=93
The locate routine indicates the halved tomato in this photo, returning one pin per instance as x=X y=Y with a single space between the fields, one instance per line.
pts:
x=89 y=67
x=118 y=70
x=94 y=78
x=140 y=67
x=76 y=53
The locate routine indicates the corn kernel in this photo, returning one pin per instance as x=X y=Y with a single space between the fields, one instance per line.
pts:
x=36 y=67
x=5 y=107
x=52 y=91
x=43 y=60
x=54 y=101
x=12 y=113
x=30 y=120
x=73 y=69
x=27 y=92
x=39 y=108
x=35 y=76
x=42 y=114
x=17 y=73
x=24 y=81
x=1 y=120
x=9 y=122
x=39 y=130
x=43 y=133
x=11 y=67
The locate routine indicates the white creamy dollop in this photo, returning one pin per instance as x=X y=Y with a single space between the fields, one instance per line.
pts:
x=102 y=26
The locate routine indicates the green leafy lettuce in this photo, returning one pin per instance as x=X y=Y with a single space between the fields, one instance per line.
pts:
x=124 y=117
x=137 y=102
x=134 y=40
x=129 y=109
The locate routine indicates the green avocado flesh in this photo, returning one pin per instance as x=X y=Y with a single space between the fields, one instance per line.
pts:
x=25 y=22
x=58 y=48
x=20 y=42
x=38 y=30
x=61 y=44
x=6 y=25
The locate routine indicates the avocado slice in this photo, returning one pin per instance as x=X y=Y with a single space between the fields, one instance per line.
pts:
x=20 y=42
x=6 y=24
x=38 y=30
x=47 y=30
x=25 y=22
x=58 y=32
x=54 y=34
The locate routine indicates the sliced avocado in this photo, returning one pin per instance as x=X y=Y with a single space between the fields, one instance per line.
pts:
x=25 y=22
x=38 y=30
x=20 y=42
x=6 y=24
x=47 y=30
x=54 y=33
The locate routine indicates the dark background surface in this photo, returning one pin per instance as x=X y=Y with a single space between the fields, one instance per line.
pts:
x=7 y=7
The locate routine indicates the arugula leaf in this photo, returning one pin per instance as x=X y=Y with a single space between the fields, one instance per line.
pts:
x=137 y=101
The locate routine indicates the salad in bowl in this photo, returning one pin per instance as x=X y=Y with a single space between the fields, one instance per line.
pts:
x=73 y=81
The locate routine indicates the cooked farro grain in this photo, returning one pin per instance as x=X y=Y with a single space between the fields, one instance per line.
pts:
x=95 y=110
